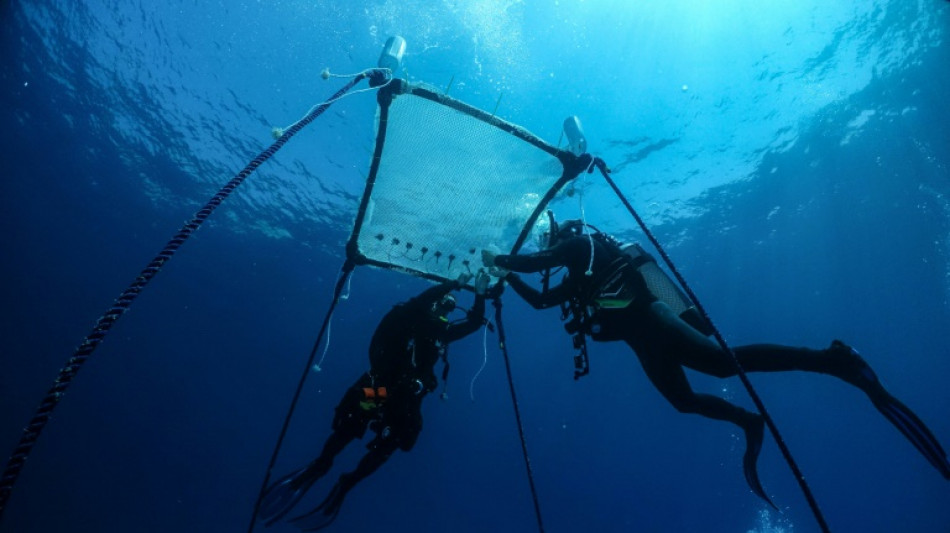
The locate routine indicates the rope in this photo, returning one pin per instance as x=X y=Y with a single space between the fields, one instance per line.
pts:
x=318 y=367
x=42 y=415
x=278 y=132
x=590 y=238
x=344 y=276
x=806 y=490
x=514 y=400
x=471 y=385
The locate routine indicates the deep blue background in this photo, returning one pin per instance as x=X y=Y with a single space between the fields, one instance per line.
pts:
x=793 y=157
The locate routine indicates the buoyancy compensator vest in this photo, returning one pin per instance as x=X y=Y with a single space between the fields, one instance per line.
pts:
x=616 y=288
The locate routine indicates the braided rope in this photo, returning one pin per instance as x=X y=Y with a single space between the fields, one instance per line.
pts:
x=756 y=399
x=502 y=343
x=42 y=415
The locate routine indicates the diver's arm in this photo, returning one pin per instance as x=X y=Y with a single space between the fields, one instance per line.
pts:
x=535 y=298
x=528 y=263
x=570 y=253
x=573 y=252
x=473 y=321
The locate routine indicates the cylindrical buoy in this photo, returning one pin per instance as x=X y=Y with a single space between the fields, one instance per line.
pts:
x=392 y=53
x=575 y=135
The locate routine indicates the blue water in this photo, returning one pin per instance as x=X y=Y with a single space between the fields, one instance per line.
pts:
x=793 y=157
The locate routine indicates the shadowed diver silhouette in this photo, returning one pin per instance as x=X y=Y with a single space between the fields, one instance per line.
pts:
x=615 y=292
x=387 y=399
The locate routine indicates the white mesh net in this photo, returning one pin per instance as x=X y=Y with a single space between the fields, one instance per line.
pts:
x=449 y=185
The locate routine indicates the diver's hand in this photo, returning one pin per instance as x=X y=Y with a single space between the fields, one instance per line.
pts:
x=488 y=257
x=498 y=272
x=463 y=279
x=481 y=282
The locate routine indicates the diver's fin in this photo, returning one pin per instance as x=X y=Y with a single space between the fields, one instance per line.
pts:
x=324 y=514
x=913 y=428
x=318 y=521
x=754 y=433
x=286 y=492
x=853 y=369
x=847 y=364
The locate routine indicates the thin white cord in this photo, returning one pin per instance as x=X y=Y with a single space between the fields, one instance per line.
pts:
x=471 y=386
x=590 y=266
x=349 y=280
x=278 y=132
x=318 y=367
x=326 y=74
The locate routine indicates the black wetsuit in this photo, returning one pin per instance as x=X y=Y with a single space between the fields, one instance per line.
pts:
x=617 y=305
x=403 y=352
x=663 y=342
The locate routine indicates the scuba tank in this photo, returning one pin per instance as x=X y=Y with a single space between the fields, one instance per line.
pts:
x=613 y=289
x=662 y=287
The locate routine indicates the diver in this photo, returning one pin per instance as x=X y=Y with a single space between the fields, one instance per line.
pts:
x=387 y=399
x=608 y=293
